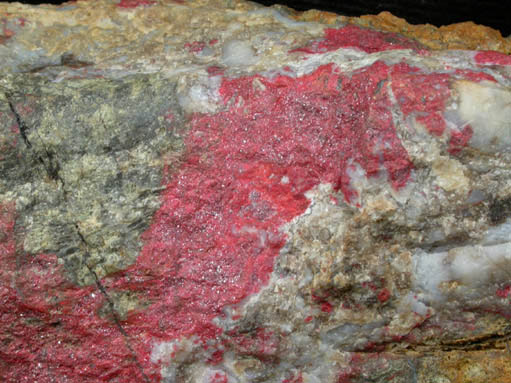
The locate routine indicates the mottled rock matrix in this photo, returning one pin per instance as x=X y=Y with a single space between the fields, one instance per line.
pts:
x=219 y=192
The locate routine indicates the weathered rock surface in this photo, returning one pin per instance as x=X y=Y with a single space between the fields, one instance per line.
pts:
x=218 y=192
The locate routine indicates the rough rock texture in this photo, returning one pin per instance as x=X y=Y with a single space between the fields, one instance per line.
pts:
x=465 y=35
x=217 y=192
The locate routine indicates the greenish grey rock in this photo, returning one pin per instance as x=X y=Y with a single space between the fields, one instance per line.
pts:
x=86 y=165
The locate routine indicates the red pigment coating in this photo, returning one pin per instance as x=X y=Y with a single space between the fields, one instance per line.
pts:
x=320 y=298
x=504 y=293
x=474 y=76
x=334 y=129
x=348 y=373
x=421 y=95
x=424 y=96
x=14 y=127
x=7 y=32
x=492 y=58
x=215 y=70
x=216 y=357
x=169 y=117
x=216 y=235
x=128 y=4
x=345 y=377
x=459 y=139
x=384 y=295
x=308 y=319
x=369 y=362
x=326 y=307
x=352 y=36
x=434 y=123
x=219 y=378
x=214 y=239
x=370 y=285
x=262 y=344
x=49 y=329
x=195 y=47
x=10 y=27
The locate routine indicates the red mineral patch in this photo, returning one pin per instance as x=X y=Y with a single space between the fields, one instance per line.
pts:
x=384 y=295
x=492 y=58
x=425 y=95
x=352 y=36
x=261 y=343
x=5 y=33
x=219 y=378
x=434 y=123
x=195 y=47
x=504 y=292
x=128 y=4
x=421 y=94
x=326 y=307
x=475 y=76
x=215 y=70
x=459 y=139
x=214 y=240
x=9 y=27
x=49 y=329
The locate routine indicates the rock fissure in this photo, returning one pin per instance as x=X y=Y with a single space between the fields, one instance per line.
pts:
x=489 y=342
x=118 y=323
x=111 y=307
x=48 y=160
x=21 y=124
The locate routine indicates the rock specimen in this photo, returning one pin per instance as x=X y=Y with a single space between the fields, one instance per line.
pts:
x=219 y=192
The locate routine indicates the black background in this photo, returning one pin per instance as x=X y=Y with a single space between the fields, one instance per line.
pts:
x=493 y=13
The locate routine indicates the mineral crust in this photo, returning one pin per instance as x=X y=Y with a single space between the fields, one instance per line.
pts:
x=218 y=192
